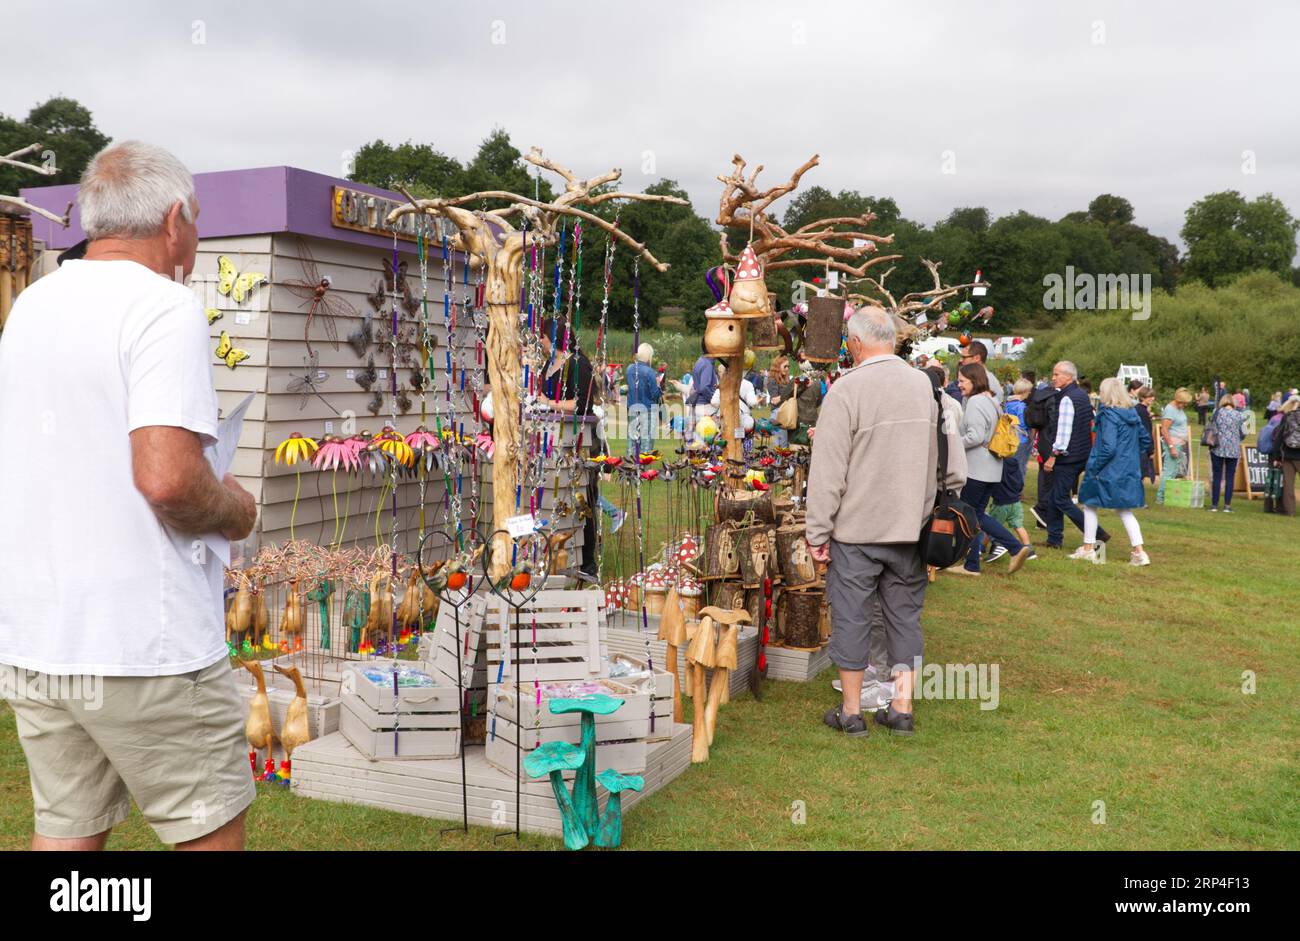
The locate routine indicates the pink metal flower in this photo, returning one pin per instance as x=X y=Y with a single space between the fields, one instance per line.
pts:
x=335 y=453
x=422 y=438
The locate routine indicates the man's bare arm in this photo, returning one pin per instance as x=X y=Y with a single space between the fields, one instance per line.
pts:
x=171 y=472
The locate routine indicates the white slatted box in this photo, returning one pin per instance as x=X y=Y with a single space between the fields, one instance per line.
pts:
x=570 y=642
x=631 y=720
x=627 y=757
x=659 y=683
x=382 y=736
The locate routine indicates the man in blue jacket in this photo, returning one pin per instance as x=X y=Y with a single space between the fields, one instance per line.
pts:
x=704 y=380
x=642 y=402
x=1064 y=446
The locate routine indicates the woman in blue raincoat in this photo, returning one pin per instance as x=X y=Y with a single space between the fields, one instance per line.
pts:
x=1113 y=477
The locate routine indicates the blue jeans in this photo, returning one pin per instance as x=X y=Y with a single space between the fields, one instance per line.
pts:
x=1059 y=505
x=977 y=494
x=641 y=422
x=1222 y=470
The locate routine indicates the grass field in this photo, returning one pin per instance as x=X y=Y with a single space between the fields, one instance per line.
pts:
x=1118 y=685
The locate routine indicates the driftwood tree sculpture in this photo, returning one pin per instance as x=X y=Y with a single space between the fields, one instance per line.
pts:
x=840 y=243
x=491 y=241
x=22 y=204
x=906 y=308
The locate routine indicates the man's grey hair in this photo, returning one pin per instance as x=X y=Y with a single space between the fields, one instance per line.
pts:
x=129 y=187
x=1068 y=368
x=873 y=326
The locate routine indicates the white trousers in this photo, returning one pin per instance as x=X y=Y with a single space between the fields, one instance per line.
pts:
x=1126 y=517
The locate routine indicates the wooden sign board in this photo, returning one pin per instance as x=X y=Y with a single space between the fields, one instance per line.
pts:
x=1252 y=472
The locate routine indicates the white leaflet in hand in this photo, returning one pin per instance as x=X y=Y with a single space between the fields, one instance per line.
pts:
x=221 y=454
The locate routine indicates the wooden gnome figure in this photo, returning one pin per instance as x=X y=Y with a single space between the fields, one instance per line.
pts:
x=748 y=297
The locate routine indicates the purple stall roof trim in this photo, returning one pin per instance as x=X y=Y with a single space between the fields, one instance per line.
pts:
x=241 y=202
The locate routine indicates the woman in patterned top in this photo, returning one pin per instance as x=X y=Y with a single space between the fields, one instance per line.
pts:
x=1229 y=422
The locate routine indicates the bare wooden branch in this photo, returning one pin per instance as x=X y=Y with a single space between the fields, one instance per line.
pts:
x=440 y=205
x=28 y=207
x=13 y=161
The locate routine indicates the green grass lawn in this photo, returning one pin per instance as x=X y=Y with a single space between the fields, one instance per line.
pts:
x=1118 y=685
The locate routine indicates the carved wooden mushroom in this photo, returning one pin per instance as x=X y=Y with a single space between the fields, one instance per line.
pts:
x=700 y=655
x=610 y=832
x=672 y=631
x=555 y=758
x=724 y=660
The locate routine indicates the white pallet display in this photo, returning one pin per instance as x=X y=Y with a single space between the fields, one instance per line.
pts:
x=331 y=769
x=659 y=683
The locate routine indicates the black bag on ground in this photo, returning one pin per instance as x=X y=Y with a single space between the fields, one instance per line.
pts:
x=947 y=532
x=1038 y=410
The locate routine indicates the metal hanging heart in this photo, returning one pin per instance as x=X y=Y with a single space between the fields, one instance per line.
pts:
x=523 y=570
x=449 y=564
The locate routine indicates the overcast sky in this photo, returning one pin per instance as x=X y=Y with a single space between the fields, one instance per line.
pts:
x=1035 y=105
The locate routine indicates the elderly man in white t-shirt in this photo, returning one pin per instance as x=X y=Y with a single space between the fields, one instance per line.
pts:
x=111 y=629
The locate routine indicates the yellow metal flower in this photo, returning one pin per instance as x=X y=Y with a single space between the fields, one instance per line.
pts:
x=295 y=448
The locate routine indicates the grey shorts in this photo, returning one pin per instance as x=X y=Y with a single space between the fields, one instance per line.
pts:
x=174 y=744
x=861 y=576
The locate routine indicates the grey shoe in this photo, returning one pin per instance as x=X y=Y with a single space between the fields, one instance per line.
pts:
x=898 y=723
x=852 y=726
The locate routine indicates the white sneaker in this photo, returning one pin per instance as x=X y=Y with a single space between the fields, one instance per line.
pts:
x=1139 y=558
x=1089 y=555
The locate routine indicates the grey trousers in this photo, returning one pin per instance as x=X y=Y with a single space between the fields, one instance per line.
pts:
x=861 y=577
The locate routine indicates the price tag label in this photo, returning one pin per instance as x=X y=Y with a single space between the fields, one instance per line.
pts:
x=383 y=374
x=352 y=374
x=834 y=280
x=243 y=317
x=329 y=428
x=321 y=375
x=738 y=433
x=519 y=526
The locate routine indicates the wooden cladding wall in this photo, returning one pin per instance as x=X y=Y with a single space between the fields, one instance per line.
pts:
x=270 y=326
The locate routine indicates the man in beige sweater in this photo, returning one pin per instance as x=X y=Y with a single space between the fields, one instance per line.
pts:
x=871 y=485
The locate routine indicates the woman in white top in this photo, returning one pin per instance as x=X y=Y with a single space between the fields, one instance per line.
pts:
x=748 y=400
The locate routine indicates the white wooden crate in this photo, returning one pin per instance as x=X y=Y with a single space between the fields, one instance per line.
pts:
x=631 y=720
x=379 y=735
x=659 y=683
x=633 y=644
x=561 y=637
x=381 y=697
x=322 y=711
x=626 y=757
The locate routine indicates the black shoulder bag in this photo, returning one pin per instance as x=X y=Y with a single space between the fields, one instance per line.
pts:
x=947 y=532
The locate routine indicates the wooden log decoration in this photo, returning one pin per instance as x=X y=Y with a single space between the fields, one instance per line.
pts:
x=730 y=596
x=720 y=558
x=824 y=623
x=798 y=619
x=754 y=604
x=763 y=334
x=756 y=548
x=824 y=331
x=794 y=559
x=490 y=241
x=737 y=504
